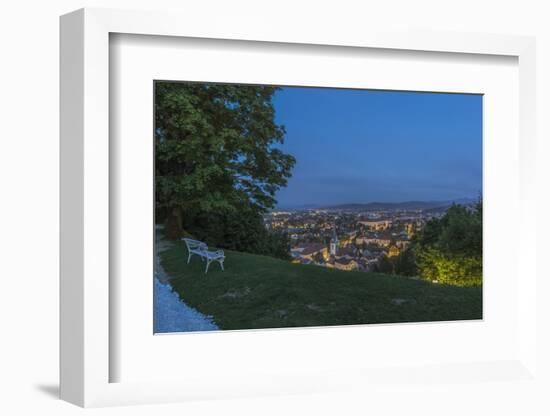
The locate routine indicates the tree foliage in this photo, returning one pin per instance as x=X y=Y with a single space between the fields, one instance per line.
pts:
x=239 y=230
x=218 y=164
x=384 y=265
x=214 y=146
x=405 y=263
x=449 y=250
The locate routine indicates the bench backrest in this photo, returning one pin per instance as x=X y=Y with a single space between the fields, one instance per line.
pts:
x=194 y=244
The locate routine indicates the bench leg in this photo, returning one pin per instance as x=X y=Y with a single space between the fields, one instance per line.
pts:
x=189 y=258
x=207 y=265
x=221 y=264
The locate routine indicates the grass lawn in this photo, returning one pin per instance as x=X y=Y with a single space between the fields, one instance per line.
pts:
x=263 y=292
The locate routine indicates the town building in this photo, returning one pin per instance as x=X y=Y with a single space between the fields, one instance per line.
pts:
x=377 y=225
x=393 y=251
x=311 y=252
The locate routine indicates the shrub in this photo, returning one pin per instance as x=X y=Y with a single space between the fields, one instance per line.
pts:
x=405 y=264
x=450 y=269
x=240 y=230
x=449 y=250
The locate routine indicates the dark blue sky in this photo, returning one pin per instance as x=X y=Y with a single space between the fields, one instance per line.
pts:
x=364 y=146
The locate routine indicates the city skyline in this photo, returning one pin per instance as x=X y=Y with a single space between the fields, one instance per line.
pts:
x=362 y=146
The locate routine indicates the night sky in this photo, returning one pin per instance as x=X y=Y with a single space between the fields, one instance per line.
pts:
x=364 y=146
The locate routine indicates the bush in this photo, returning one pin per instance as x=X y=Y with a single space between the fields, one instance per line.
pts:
x=240 y=230
x=384 y=265
x=405 y=264
x=448 y=269
x=449 y=250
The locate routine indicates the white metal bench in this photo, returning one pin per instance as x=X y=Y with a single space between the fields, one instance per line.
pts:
x=201 y=249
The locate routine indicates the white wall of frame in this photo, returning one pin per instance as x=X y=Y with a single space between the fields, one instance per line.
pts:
x=137 y=60
x=29 y=211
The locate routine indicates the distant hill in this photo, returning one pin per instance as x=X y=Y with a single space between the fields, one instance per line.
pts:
x=403 y=206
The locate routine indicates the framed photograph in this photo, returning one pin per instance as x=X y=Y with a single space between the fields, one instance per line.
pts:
x=255 y=184
x=271 y=213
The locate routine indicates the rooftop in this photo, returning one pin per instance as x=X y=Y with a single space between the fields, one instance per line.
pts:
x=312 y=248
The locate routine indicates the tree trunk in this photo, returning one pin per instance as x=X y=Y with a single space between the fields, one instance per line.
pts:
x=173 y=228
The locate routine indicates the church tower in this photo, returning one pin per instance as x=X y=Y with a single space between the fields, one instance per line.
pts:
x=333 y=242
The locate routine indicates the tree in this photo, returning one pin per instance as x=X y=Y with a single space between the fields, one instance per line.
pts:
x=216 y=150
x=405 y=264
x=449 y=250
x=241 y=230
x=384 y=265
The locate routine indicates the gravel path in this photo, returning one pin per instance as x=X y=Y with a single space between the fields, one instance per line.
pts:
x=172 y=314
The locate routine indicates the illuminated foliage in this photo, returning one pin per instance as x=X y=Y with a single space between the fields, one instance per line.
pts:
x=449 y=250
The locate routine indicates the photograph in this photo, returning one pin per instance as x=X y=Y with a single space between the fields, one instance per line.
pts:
x=303 y=206
x=270 y=208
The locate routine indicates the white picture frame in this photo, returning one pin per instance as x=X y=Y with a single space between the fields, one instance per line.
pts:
x=86 y=262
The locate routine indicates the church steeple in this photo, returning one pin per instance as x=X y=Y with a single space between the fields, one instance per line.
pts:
x=333 y=242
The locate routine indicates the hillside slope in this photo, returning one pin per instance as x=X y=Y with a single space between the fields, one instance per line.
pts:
x=263 y=292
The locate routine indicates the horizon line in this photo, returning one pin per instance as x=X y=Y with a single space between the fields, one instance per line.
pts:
x=336 y=204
